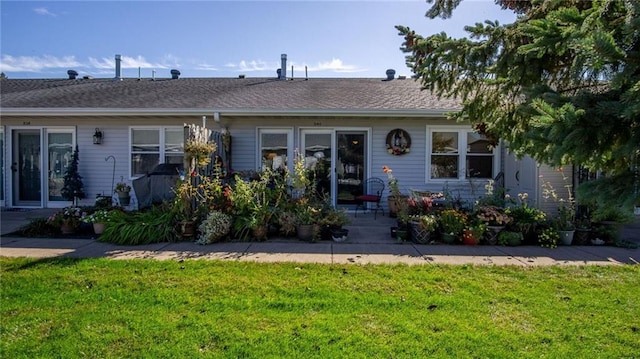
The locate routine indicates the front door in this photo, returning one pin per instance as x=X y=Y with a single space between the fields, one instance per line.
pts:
x=26 y=166
x=338 y=163
x=351 y=170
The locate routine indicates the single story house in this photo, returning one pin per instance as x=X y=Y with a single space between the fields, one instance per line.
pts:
x=347 y=128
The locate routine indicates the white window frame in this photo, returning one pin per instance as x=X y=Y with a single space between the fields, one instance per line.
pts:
x=462 y=155
x=288 y=131
x=162 y=145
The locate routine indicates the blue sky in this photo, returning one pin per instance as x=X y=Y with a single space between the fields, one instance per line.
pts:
x=44 y=39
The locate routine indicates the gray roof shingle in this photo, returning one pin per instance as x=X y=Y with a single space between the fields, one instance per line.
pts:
x=255 y=94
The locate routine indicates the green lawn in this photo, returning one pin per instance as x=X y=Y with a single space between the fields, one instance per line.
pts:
x=100 y=308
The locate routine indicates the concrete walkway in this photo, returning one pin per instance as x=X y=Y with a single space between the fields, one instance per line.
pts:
x=369 y=242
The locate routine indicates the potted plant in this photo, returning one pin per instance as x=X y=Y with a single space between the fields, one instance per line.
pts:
x=583 y=231
x=98 y=219
x=453 y=223
x=474 y=233
x=565 y=224
x=421 y=227
x=331 y=222
x=287 y=223
x=215 y=227
x=525 y=219
x=496 y=218
x=609 y=221
x=306 y=220
x=68 y=219
x=396 y=201
x=122 y=190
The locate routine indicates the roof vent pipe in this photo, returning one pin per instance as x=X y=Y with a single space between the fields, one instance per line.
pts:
x=175 y=74
x=72 y=74
x=283 y=67
x=118 y=74
x=391 y=74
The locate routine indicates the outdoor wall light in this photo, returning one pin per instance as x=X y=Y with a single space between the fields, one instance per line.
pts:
x=97 y=137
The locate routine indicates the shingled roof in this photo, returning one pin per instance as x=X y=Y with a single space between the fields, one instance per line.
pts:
x=231 y=94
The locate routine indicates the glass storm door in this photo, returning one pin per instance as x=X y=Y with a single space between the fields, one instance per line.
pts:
x=26 y=168
x=317 y=152
x=59 y=158
x=350 y=166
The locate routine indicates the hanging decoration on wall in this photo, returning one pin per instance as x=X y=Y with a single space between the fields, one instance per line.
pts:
x=398 y=142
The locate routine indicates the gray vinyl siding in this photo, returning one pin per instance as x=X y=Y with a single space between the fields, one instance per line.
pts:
x=410 y=168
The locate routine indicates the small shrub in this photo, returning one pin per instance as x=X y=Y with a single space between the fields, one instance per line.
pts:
x=215 y=227
x=39 y=227
x=549 y=238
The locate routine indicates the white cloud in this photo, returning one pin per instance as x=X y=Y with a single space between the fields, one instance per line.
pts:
x=37 y=63
x=250 y=66
x=336 y=65
x=127 y=63
x=44 y=12
x=206 y=67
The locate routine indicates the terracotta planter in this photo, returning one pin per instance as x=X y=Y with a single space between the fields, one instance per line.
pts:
x=469 y=238
x=260 y=233
x=98 y=228
x=67 y=228
x=187 y=228
x=395 y=204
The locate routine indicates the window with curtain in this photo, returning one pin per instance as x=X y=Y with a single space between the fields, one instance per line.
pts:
x=152 y=146
x=459 y=154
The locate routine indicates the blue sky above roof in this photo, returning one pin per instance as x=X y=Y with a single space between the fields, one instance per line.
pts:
x=218 y=38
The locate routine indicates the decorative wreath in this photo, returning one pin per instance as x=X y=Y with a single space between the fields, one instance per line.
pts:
x=398 y=142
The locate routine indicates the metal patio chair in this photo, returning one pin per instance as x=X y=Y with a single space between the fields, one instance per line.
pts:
x=373 y=188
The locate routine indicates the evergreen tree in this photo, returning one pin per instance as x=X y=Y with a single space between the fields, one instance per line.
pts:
x=73 y=186
x=562 y=84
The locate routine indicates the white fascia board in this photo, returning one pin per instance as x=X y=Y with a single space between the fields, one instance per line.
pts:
x=222 y=111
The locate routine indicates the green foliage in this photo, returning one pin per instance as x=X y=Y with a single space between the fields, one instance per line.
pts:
x=562 y=83
x=73 y=187
x=548 y=237
x=134 y=228
x=215 y=227
x=39 y=227
x=508 y=238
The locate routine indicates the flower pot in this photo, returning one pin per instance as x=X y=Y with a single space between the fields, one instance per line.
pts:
x=124 y=198
x=402 y=235
x=448 y=238
x=469 y=238
x=566 y=237
x=67 y=228
x=395 y=204
x=492 y=234
x=187 y=228
x=394 y=232
x=260 y=233
x=305 y=232
x=339 y=235
x=581 y=236
x=98 y=228
x=419 y=234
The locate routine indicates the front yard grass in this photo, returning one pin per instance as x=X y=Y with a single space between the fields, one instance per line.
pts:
x=100 y=308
